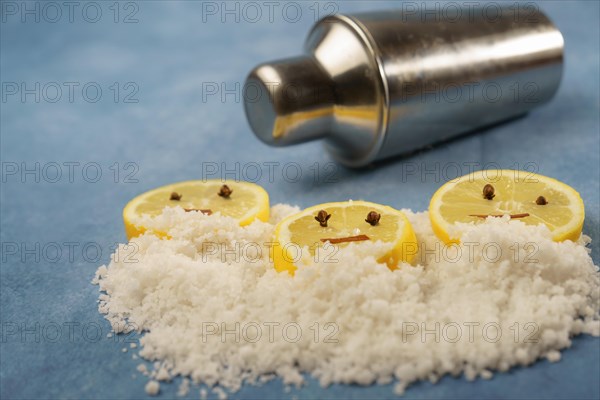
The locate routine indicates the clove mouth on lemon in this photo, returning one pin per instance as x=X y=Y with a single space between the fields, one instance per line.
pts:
x=339 y=224
x=532 y=198
x=241 y=200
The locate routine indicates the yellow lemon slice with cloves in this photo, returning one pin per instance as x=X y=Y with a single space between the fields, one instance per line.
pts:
x=340 y=224
x=532 y=198
x=241 y=200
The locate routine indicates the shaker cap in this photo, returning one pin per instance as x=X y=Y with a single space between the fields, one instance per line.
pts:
x=289 y=101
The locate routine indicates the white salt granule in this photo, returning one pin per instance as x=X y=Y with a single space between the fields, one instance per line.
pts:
x=203 y=394
x=152 y=388
x=162 y=374
x=184 y=387
x=221 y=395
x=506 y=297
x=553 y=356
x=485 y=374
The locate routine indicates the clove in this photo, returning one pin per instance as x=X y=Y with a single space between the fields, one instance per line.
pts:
x=541 y=201
x=175 y=196
x=225 y=192
x=346 y=239
x=322 y=217
x=488 y=192
x=373 y=218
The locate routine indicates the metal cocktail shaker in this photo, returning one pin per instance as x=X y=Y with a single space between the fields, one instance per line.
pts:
x=380 y=84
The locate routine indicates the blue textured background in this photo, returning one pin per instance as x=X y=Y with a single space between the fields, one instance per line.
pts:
x=172 y=131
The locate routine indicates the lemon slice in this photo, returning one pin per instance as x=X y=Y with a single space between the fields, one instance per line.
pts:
x=516 y=193
x=246 y=202
x=346 y=224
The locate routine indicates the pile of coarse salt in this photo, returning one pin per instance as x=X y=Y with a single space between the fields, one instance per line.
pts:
x=213 y=309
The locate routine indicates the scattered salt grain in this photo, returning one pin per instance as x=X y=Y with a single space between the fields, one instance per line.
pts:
x=374 y=325
x=485 y=374
x=203 y=394
x=553 y=356
x=221 y=395
x=184 y=387
x=142 y=368
x=124 y=349
x=162 y=374
x=152 y=388
x=133 y=345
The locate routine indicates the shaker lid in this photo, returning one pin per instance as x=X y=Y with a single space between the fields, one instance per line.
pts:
x=289 y=101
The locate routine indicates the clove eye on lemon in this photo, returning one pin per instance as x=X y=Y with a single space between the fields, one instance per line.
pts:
x=241 y=200
x=532 y=198
x=351 y=221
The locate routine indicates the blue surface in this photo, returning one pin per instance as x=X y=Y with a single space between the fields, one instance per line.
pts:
x=172 y=133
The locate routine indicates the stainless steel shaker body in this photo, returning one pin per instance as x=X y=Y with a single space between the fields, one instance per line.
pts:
x=380 y=84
